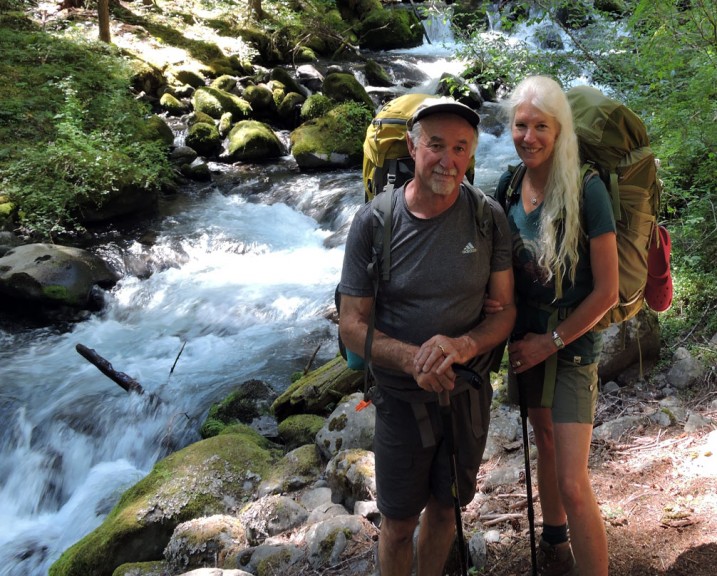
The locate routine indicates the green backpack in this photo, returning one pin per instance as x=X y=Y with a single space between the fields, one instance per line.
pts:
x=613 y=141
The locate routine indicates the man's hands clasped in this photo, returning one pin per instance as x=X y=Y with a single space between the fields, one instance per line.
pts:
x=432 y=364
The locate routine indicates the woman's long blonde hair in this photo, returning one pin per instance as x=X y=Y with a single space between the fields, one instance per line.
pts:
x=560 y=223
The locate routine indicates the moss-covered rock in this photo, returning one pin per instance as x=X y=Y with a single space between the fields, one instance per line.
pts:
x=389 y=29
x=174 y=106
x=215 y=102
x=188 y=76
x=290 y=109
x=299 y=468
x=52 y=274
x=250 y=400
x=251 y=141
x=305 y=54
x=208 y=477
x=354 y=10
x=204 y=138
x=260 y=98
x=225 y=123
x=142 y=569
x=225 y=82
x=300 y=429
x=200 y=117
x=160 y=129
x=147 y=78
x=344 y=87
x=376 y=75
x=282 y=75
x=334 y=140
x=316 y=106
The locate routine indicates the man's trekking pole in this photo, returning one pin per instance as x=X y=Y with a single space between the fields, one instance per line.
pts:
x=528 y=484
x=444 y=402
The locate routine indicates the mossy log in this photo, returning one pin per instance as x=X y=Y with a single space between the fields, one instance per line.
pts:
x=318 y=391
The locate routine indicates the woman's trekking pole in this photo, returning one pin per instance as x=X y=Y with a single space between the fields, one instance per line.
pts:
x=528 y=484
x=444 y=402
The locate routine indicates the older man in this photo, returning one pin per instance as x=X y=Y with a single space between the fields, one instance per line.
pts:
x=427 y=319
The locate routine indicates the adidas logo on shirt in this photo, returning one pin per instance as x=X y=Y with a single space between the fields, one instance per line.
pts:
x=469 y=249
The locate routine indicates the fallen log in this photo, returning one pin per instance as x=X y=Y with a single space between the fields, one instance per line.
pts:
x=125 y=381
x=318 y=391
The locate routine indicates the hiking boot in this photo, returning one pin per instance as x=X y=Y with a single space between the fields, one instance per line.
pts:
x=556 y=560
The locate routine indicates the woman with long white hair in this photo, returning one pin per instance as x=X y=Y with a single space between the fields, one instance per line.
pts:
x=566 y=276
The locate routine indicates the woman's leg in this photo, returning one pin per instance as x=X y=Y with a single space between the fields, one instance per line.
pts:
x=587 y=529
x=550 y=502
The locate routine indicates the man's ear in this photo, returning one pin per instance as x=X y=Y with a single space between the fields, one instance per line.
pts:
x=411 y=147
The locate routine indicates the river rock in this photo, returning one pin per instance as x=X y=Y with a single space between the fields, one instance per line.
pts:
x=204 y=138
x=209 y=477
x=201 y=541
x=55 y=275
x=351 y=476
x=215 y=102
x=344 y=87
x=347 y=428
x=251 y=141
x=686 y=370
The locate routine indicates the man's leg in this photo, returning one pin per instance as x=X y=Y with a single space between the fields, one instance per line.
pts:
x=435 y=538
x=395 y=546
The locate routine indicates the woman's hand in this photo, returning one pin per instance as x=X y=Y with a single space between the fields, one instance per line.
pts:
x=491 y=306
x=530 y=351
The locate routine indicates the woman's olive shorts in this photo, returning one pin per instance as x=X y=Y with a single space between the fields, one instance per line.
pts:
x=576 y=390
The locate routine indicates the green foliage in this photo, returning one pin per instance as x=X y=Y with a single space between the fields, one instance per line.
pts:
x=352 y=119
x=78 y=133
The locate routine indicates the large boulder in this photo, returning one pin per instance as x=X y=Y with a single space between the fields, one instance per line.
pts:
x=50 y=274
x=347 y=428
x=333 y=141
x=390 y=29
x=344 y=87
x=213 y=476
x=252 y=141
x=633 y=343
x=215 y=102
x=204 y=138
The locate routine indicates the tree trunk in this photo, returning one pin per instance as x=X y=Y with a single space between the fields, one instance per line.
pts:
x=103 y=17
x=256 y=8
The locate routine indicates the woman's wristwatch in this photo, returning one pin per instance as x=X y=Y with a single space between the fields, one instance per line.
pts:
x=558 y=341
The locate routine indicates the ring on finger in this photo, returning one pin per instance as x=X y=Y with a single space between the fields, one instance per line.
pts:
x=518 y=364
x=442 y=349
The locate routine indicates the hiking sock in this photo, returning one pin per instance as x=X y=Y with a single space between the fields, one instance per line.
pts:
x=554 y=535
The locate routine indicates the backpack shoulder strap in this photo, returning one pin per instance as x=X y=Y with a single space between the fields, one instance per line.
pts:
x=510 y=194
x=483 y=214
x=379 y=269
x=382 y=210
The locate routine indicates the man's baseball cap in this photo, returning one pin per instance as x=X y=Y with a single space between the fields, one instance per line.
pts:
x=444 y=105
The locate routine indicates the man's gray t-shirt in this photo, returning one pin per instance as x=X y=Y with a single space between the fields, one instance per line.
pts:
x=439 y=275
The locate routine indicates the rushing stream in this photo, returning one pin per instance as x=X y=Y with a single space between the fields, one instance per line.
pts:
x=254 y=258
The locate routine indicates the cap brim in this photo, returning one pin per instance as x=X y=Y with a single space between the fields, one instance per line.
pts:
x=468 y=114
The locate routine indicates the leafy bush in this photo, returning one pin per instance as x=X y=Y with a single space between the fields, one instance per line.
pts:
x=78 y=133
